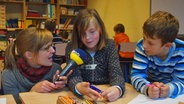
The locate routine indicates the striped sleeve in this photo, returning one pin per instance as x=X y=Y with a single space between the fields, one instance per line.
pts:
x=138 y=74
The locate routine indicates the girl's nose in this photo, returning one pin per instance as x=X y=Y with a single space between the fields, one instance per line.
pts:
x=87 y=36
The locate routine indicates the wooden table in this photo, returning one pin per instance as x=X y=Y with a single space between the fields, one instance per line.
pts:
x=48 y=98
x=9 y=99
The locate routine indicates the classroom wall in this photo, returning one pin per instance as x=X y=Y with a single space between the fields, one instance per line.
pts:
x=132 y=13
x=175 y=8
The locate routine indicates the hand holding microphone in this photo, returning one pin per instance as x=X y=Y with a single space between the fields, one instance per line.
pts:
x=77 y=57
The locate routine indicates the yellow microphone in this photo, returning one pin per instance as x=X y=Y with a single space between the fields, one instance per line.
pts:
x=77 y=57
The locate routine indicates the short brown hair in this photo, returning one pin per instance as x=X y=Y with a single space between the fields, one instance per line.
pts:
x=163 y=25
x=50 y=24
x=64 y=34
x=119 y=28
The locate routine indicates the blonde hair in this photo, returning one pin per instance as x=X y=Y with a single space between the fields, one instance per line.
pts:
x=30 y=39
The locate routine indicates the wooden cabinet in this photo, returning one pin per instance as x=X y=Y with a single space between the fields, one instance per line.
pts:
x=26 y=12
x=18 y=14
x=67 y=10
x=12 y=14
x=37 y=12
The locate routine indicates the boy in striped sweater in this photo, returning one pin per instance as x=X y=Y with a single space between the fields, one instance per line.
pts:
x=158 y=66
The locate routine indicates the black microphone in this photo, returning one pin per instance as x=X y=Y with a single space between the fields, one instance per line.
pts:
x=77 y=57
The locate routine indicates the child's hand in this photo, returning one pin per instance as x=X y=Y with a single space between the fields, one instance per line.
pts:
x=84 y=88
x=164 y=91
x=153 y=92
x=158 y=90
x=111 y=94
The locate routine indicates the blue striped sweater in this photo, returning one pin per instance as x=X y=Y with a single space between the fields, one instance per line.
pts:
x=148 y=69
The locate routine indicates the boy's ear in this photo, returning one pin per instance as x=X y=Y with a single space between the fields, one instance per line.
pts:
x=168 y=45
x=28 y=55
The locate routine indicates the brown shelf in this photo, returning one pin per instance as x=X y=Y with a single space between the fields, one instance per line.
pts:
x=73 y=5
x=15 y=2
x=37 y=18
x=40 y=3
x=66 y=29
x=11 y=29
x=68 y=15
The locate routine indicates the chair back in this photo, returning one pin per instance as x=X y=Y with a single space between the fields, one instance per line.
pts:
x=126 y=63
x=60 y=49
x=128 y=46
